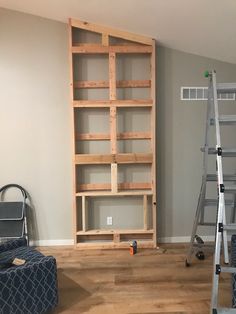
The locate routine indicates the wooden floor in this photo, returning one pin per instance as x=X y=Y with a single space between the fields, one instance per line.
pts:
x=152 y=281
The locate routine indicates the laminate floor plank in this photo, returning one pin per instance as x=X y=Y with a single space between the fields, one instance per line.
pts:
x=152 y=281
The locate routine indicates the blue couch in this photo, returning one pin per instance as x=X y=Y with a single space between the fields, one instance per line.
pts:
x=30 y=288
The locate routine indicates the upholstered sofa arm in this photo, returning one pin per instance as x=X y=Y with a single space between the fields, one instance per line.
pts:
x=30 y=288
x=12 y=244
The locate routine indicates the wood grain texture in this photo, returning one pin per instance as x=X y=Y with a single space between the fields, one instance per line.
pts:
x=107 y=186
x=119 y=193
x=114 y=178
x=152 y=281
x=111 y=31
x=140 y=45
x=140 y=158
x=105 y=39
x=116 y=231
x=84 y=214
x=120 y=84
x=153 y=71
x=108 y=103
x=145 y=212
x=105 y=136
x=113 y=129
x=109 y=49
x=112 y=76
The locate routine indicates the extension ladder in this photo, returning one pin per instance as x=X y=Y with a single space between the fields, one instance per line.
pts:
x=216 y=119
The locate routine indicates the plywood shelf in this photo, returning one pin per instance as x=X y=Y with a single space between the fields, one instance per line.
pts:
x=136 y=90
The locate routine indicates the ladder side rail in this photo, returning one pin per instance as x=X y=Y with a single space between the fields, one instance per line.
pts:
x=199 y=215
x=206 y=146
x=210 y=113
x=225 y=238
x=200 y=205
x=219 y=165
x=218 y=239
x=216 y=110
x=221 y=202
x=233 y=211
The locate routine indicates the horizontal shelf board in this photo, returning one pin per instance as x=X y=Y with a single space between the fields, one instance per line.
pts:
x=94 y=49
x=92 y=136
x=112 y=245
x=115 y=231
x=107 y=186
x=134 y=135
x=116 y=103
x=106 y=136
x=119 y=193
x=85 y=159
x=119 y=84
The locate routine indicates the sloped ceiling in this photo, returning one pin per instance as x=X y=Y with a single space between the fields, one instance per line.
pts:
x=203 y=27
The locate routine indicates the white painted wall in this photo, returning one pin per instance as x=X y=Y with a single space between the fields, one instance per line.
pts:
x=35 y=145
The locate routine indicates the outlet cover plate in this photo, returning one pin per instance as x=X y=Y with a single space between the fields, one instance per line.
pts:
x=109 y=221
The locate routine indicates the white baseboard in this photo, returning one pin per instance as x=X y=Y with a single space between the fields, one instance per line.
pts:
x=52 y=242
x=64 y=242
x=185 y=239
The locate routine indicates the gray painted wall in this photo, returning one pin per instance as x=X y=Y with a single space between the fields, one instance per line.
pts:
x=35 y=126
x=180 y=134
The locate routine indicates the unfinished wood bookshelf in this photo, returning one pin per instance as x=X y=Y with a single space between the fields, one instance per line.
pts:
x=102 y=107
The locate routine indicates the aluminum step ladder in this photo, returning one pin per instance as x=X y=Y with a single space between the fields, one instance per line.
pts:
x=214 y=118
x=196 y=243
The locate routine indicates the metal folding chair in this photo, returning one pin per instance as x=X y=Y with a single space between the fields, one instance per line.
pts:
x=13 y=218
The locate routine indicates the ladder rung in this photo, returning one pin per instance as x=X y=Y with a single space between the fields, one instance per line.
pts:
x=205 y=245
x=227 y=119
x=230 y=189
x=225 y=311
x=210 y=224
x=227 y=177
x=214 y=202
x=230 y=270
x=226 y=88
x=226 y=152
x=229 y=227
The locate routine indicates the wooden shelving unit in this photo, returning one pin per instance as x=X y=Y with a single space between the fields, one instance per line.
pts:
x=88 y=41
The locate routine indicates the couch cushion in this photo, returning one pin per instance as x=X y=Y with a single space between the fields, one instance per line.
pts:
x=12 y=244
x=25 y=252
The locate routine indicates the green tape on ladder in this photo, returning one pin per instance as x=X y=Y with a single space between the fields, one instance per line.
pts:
x=206 y=74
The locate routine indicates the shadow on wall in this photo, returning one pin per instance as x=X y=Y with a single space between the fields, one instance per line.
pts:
x=32 y=222
x=164 y=142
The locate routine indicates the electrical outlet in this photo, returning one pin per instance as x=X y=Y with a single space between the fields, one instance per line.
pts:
x=109 y=221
